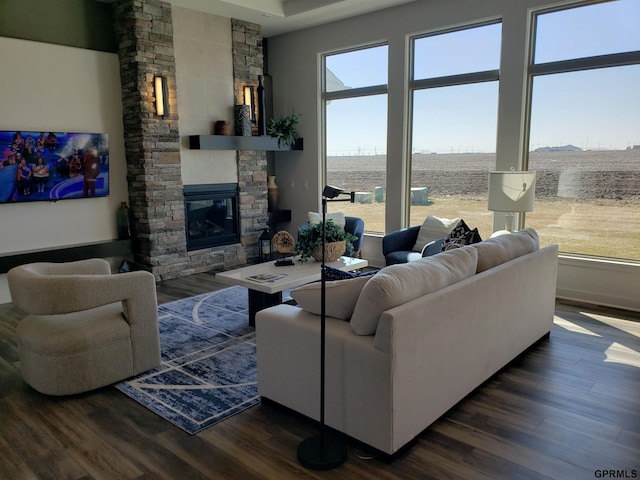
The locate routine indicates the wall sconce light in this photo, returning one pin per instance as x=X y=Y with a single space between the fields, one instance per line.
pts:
x=162 y=96
x=249 y=100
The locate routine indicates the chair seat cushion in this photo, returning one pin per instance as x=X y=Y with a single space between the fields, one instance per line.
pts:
x=401 y=256
x=73 y=333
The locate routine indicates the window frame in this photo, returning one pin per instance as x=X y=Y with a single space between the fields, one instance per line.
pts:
x=578 y=64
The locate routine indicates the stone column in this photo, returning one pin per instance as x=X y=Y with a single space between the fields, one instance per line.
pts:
x=248 y=64
x=144 y=32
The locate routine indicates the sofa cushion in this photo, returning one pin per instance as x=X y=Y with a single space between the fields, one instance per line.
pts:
x=460 y=236
x=500 y=249
x=432 y=229
x=398 y=284
x=337 y=217
x=341 y=296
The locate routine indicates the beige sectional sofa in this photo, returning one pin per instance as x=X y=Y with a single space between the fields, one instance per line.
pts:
x=405 y=345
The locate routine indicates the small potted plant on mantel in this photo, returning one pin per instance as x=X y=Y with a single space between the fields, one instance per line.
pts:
x=338 y=241
x=284 y=129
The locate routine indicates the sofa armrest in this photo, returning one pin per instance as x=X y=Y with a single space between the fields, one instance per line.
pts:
x=403 y=239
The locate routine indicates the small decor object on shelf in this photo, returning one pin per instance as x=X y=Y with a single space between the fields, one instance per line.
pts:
x=310 y=242
x=123 y=221
x=222 y=127
x=273 y=193
x=284 y=129
x=243 y=120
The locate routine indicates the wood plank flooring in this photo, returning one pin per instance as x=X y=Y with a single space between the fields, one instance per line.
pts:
x=567 y=409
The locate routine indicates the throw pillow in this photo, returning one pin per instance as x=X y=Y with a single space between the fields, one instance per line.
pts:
x=432 y=248
x=398 y=284
x=341 y=296
x=337 y=217
x=432 y=229
x=460 y=236
x=337 y=274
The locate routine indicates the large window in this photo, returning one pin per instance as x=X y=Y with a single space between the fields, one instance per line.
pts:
x=454 y=122
x=354 y=96
x=584 y=141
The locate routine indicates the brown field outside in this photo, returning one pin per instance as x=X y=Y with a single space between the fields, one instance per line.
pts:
x=606 y=228
x=587 y=202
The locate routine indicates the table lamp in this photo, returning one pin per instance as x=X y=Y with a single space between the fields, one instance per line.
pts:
x=511 y=192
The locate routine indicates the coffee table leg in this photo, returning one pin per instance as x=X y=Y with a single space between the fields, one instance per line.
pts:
x=259 y=301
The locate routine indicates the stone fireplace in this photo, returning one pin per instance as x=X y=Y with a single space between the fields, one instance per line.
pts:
x=144 y=32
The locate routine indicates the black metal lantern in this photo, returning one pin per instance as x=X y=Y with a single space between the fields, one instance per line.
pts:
x=264 y=244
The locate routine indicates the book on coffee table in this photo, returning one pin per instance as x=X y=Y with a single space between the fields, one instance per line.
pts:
x=266 y=277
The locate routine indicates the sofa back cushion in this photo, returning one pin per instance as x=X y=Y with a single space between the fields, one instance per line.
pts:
x=497 y=250
x=398 y=284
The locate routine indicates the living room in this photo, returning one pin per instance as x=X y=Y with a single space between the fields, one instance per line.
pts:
x=79 y=88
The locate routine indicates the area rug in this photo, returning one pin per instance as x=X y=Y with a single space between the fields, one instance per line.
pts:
x=208 y=370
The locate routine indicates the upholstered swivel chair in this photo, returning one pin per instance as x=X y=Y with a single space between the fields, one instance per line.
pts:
x=354 y=226
x=85 y=328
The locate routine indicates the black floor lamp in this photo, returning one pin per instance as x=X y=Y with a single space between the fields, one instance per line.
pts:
x=324 y=451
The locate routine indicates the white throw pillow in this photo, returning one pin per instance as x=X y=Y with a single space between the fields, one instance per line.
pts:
x=398 y=284
x=341 y=296
x=432 y=229
x=337 y=217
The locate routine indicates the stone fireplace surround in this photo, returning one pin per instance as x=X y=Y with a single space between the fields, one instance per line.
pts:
x=144 y=33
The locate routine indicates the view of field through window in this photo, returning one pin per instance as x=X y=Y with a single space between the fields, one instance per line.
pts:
x=590 y=208
x=583 y=129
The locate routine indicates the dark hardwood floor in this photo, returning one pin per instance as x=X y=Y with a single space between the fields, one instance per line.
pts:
x=567 y=409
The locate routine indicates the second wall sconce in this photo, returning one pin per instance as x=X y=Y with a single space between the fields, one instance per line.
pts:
x=162 y=96
x=249 y=100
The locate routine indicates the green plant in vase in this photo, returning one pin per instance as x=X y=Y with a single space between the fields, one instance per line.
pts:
x=284 y=129
x=338 y=242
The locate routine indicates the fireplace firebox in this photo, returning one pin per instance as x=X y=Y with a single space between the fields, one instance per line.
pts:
x=211 y=213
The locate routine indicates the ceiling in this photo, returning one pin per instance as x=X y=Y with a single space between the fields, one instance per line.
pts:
x=282 y=16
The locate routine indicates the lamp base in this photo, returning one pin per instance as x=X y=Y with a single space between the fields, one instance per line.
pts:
x=322 y=452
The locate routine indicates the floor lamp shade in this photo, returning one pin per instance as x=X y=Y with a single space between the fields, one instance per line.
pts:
x=512 y=191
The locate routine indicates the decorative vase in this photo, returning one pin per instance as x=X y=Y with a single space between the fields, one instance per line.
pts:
x=273 y=193
x=262 y=107
x=123 y=221
x=332 y=251
x=243 y=120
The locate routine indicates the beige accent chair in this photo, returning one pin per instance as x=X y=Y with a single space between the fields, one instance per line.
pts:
x=86 y=328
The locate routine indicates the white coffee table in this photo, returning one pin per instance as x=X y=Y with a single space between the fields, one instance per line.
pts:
x=266 y=282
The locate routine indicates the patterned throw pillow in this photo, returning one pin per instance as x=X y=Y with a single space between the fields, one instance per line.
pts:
x=337 y=274
x=460 y=236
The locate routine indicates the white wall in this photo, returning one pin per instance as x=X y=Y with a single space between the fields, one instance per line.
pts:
x=61 y=89
x=204 y=78
x=294 y=66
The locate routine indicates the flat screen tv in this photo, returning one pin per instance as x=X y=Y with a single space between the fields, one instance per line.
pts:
x=50 y=166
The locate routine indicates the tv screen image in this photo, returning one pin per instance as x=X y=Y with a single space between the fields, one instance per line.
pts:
x=50 y=166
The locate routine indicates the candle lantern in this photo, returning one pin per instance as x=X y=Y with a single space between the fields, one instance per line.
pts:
x=265 y=246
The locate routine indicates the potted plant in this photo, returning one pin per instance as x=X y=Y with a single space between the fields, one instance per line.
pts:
x=338 y=241
x=284 y=129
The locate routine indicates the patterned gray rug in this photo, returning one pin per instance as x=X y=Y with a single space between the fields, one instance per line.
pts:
x=208 y=370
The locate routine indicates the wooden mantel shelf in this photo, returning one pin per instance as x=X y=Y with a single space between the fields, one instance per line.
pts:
x=228 y=142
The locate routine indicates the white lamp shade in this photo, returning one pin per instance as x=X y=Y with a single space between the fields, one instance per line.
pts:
x=511 y=191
